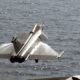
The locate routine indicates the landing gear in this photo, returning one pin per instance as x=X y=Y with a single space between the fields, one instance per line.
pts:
x=36 y=60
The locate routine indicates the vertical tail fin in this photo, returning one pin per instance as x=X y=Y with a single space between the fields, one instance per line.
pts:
x=36 y=28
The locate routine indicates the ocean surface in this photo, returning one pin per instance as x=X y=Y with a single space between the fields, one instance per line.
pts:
x=61 y=20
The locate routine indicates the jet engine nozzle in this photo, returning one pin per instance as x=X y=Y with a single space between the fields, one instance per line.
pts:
x=18 y=59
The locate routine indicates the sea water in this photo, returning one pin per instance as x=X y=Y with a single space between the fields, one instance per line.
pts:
x=61 y=19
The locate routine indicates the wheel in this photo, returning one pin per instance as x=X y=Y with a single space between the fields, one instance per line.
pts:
x=36 y=60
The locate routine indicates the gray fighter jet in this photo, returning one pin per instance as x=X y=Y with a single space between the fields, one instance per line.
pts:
x=29 y=46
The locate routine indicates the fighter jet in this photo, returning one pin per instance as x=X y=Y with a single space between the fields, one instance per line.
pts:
x=30 y=46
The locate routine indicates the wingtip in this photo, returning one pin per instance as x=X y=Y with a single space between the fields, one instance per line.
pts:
x=61 y=54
